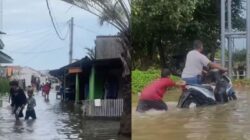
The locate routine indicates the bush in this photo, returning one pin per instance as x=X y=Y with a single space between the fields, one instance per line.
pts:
x=140 y=79
x=4 y=86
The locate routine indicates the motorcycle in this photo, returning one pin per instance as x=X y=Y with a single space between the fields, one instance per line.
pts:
x=217 y=89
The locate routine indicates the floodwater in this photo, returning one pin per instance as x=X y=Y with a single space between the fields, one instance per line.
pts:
x=229 y=121
x=55 y=121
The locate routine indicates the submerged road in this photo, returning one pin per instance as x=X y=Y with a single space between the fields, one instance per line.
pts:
x=230 y=121
x=55 y=121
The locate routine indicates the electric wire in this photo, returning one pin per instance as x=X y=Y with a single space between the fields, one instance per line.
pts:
x=23 y=39
x=34 y=43
x=35 y=56
x=28 y=32
x=36 y=52
x=86 y=29
x=53 y=23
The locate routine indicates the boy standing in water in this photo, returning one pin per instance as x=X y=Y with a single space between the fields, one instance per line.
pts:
x=151 y=96
x=30 y=112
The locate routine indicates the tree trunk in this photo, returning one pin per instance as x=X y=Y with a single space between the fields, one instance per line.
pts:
x=162 y=55
x=125 y=123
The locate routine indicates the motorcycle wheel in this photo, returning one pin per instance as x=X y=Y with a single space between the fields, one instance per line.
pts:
x=234 y=96
x=190 y=103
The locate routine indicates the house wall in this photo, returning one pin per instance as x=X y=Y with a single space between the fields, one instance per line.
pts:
x=95 y=85
x=105 y=83
x=99 y=85
x=108 y=47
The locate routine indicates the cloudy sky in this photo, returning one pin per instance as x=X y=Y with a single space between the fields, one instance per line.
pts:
x=31 y=40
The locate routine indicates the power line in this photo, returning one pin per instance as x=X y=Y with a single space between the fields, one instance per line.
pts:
x=53 y=23
x=46 y=51
x=23 y=39
x=81 y=27
x=69 y=9
x=34 y=43
x=28 y=32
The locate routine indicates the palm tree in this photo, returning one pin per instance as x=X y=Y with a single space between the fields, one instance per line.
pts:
x=90 y=53
x=116 y=13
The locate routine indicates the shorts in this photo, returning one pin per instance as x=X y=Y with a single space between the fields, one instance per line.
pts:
x=30 y=113
x=18 y=110
x=145 y=105
x=46 y=92
x=193 y=80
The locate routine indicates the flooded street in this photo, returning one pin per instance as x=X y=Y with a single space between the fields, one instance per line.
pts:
x=229 y=121
x=55 y=121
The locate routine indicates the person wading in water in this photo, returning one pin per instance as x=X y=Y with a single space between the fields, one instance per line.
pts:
x=19 y=100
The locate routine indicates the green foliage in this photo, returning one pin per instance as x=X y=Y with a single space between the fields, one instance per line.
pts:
x=142 y=78
x=4 y=86
x=241 y=82
x=175 y=78
x=157 y=27
x=164 y=29
x=239 y=56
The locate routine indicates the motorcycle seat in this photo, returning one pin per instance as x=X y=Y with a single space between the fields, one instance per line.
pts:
x=206 y=86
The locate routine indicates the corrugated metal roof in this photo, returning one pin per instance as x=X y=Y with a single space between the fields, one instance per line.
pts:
x=86 y=65
x=4 y=58
x=1 y=44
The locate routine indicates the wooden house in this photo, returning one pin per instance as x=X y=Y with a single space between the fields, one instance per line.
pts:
x=96 y=83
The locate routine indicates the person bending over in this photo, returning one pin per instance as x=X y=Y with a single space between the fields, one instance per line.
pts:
x=151 y=96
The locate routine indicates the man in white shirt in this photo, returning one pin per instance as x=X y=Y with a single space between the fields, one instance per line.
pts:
x=195 y=61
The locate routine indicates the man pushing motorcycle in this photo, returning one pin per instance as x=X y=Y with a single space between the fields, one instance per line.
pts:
x=195 y=61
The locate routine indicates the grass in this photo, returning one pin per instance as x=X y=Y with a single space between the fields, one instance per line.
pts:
x=4 y=86
x=142 y=78
x=241 y=82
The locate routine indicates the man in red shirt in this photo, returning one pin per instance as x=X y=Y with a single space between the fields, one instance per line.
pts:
x=151 y=96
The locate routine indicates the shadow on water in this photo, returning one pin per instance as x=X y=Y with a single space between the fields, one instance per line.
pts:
x=55 y=121
x=229 y=121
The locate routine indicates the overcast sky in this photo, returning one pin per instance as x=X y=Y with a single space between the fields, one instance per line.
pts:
x=31 y=40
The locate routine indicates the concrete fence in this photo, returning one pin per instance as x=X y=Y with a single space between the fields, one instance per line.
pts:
x=103 y=108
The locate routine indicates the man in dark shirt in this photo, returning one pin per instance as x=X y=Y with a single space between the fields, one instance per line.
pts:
x=11 y=97
x=19 y=100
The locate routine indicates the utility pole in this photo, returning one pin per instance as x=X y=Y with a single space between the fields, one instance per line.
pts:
x=230 y=33
x=71 y=28
x=222 y=15
x=230 y=40
x=1 y=17
x=248 y=39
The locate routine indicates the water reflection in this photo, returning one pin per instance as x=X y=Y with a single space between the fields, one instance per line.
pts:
x=55 y=121
x=1 y=102
x=229 y=121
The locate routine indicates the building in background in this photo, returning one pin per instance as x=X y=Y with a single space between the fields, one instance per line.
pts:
x=96 y=82
x=4 y=58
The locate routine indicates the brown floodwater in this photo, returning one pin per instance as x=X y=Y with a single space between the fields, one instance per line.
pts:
x=56 y=120
x=229 y=121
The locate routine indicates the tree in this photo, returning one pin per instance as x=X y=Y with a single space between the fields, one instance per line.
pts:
x=157 y=28
x=163 y=31
x=116 y=13
x=90 y=53
x=239 y=56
